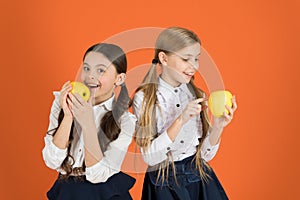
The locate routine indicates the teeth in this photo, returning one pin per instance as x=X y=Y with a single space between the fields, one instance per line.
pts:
x=93 y=85
x=190 y=73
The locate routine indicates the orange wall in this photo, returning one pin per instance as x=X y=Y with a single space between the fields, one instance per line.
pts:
x=254 y=43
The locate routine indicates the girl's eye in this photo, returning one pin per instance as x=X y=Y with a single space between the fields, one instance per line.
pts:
x=85 y=68
x=197 y=59
x=185 y=59
x=101 y=70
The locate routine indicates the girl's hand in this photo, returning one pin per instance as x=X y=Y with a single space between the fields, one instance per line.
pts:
x=81 y=110
x=66 y=88
x=221 y=122
x=191 y=110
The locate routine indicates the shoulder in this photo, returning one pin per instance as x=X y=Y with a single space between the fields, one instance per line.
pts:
x=138 y=96
x=56 y=104
x=128 y=117
x=128 y=123
x=56 y=95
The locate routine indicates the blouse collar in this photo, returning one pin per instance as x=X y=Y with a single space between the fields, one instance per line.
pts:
x=167 y=86
x=108 y=104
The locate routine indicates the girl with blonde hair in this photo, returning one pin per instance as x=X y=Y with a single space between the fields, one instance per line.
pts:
x=173 y=130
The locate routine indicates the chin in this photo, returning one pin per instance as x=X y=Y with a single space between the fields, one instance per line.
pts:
x=186 y=80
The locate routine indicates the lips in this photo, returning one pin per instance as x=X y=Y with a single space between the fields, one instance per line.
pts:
x=92 y=85
x=189 y=74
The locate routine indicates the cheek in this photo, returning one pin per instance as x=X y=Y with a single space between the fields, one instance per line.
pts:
x=178 y=67
x=81 y=76
x=106 y=81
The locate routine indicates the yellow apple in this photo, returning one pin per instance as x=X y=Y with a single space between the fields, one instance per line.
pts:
x=81 y=89
x=217 y=101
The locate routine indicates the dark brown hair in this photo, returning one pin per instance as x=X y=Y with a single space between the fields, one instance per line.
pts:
x=110 y=122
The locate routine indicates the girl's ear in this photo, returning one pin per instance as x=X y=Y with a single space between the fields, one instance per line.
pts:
x=163 y=58
x=120 y=79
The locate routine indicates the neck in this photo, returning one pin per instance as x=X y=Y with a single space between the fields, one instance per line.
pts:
x=169 y=81
x=102 y=99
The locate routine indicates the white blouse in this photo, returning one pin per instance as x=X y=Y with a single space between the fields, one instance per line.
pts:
x=172 y=101
x=114 y=155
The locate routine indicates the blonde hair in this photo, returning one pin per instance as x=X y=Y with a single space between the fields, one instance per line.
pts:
x=169 y=41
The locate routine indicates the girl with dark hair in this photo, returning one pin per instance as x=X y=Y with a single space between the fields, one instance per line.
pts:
x=173 y=130
x=87 y=141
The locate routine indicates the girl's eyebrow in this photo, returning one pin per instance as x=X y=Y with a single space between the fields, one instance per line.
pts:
x=98 y=65
x=190 y=54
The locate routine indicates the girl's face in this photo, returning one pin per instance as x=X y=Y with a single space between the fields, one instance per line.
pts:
x=100 y=75
x=180 y=66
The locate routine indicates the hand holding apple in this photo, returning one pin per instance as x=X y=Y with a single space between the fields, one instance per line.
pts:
x=222 y=105
x=80 y=89
x=217 y=102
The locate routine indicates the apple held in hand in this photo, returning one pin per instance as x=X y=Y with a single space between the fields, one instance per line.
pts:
x=81 y=89
x=217 y=101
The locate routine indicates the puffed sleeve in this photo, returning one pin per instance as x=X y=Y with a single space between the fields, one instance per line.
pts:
x=160 y=146
x=115 y=153
x=53 y=156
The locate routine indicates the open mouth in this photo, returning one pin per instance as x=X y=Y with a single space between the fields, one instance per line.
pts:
x=92 y=85
x=190 y=74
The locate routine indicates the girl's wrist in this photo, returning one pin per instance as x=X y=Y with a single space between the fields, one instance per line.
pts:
x=68 y=118
x=179 y=121
x=217 y=128
x=88 y=127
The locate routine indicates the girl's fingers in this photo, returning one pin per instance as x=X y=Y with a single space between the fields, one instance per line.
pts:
x=194 y=110
x=199 y=100
x=66 y=83
x=71 y=107
x=234 y=105
x=230 y=110
x=227 y=116
x=204 y=107
x=73 y=101
x=90 y=101
x=70 y=104
x=79 y=99
x=66 y=89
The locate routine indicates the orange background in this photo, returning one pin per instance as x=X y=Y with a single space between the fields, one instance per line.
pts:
x=254 y=43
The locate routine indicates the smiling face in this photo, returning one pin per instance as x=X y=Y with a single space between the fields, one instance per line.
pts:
x=179 y=67
x=100 y=75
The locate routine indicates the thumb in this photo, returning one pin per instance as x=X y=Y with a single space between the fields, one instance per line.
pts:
x=90 y=100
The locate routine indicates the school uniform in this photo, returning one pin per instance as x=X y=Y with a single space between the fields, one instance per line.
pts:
x=101 y=181
x=171 y=102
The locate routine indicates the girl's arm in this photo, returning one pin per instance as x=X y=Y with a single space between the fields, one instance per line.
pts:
x=101 y=165
x=61 y=137
x=221 y=122
x=92 y=150
x=55 y=149
x=113 y=157
x=161 y=145
x=212 y=141
x=191 y=110
x=84 y=115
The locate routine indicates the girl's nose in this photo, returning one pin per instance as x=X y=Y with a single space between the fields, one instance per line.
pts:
x=91 y=76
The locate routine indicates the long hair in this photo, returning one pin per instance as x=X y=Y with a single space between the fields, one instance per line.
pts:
x=110 y=122
x=169 y=41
